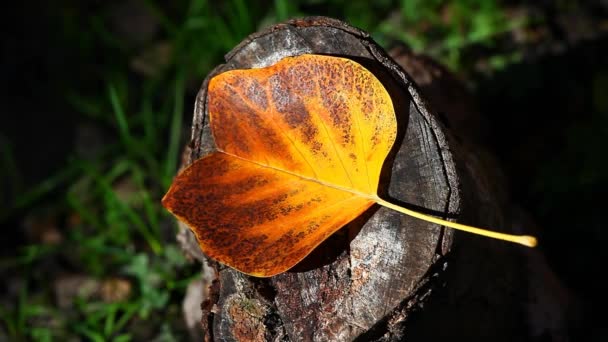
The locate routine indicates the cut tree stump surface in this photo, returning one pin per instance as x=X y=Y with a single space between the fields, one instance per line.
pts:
x=385 y=276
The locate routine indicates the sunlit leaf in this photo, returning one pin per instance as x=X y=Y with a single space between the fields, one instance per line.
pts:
x=300 y=146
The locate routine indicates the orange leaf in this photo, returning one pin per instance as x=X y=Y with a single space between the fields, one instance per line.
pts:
x=300 y=146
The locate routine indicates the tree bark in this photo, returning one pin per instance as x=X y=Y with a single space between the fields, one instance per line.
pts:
x=385 y=276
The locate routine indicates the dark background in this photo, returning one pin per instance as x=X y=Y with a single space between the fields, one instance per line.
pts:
x=96 y=101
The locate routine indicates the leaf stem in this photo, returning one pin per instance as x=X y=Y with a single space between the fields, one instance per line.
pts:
x=525 y=240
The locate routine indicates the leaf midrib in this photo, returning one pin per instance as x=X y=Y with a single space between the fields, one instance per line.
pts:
x=372 y=197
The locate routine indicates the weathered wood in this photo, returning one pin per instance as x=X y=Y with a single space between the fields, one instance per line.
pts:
x=370 y=280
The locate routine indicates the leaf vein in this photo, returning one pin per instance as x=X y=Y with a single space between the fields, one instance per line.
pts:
x=332 y=143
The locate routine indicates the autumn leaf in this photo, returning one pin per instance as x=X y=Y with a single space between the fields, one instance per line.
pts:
x=300 y=145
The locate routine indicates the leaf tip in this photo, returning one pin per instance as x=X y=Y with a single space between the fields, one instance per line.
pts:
x=167 y=200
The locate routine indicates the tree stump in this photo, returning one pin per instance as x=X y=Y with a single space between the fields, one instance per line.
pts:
x=385 y=276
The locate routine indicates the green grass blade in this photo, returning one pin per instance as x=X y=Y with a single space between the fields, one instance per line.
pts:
x=175 y=128
x=108 y=327
x=150 y=207
x=135 y=219
x=130 y=311
x=281 y=8
x=119 y=115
